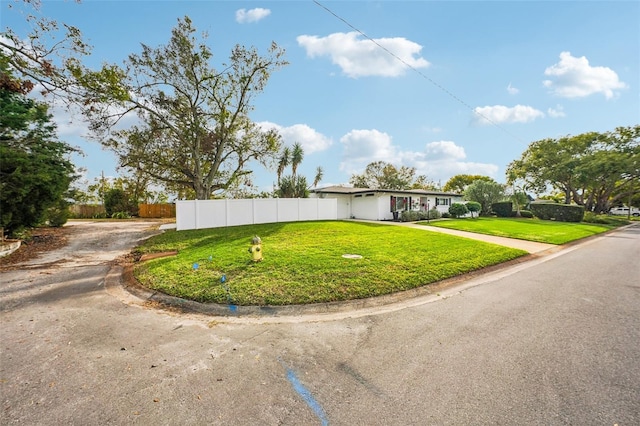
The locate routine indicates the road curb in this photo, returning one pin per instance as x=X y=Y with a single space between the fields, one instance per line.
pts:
x=121 y=282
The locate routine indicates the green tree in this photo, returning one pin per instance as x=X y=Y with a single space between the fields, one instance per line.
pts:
x=423 y=182
x=285 y=158
x=485 y=193
x=383 y=175
x=458 y=209
x=594 y=170
x=35 y=171
x=473 y=207
x=139 y=188
x=44 y=56
x=519 y=200
x=116 y=201
x=195 y=129
x=459 y=183
x=297 y=155
x=294 y=185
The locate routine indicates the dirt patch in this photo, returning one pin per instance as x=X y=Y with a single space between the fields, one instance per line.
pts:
x=41 y=240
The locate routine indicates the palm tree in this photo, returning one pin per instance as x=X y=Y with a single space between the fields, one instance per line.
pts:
x=285 y=159
x=294 y=186
x=297 y=154
x=319 y=176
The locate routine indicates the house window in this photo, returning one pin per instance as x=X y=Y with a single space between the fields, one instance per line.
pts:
x=442 y=201
x=358 y=196
x=369 y=195
x=399 y=204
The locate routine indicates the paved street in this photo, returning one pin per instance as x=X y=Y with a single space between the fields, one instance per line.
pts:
x=553 y=341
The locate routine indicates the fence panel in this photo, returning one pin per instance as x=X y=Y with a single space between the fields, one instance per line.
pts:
x=210 y=214
x=185 y=215
x=265 y=210
x=157 y=210
x=201 y=214
x=86 y=211
x=239 y=212
x=287 y=209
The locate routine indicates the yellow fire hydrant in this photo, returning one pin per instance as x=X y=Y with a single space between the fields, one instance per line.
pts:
x=256 y=249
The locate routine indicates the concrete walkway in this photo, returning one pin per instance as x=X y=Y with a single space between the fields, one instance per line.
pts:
x=528 y=246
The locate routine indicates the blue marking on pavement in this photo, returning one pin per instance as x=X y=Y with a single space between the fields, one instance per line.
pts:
x=306 y=395
x=233 y=308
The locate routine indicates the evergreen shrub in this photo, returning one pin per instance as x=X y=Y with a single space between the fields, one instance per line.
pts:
x=559 y=212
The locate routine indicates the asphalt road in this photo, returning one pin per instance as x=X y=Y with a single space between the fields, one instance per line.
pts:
x=554 y=341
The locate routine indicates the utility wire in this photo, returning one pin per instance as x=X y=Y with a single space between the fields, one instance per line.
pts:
x=420 y=73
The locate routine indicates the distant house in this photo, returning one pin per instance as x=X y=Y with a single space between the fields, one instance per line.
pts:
x=384 y=204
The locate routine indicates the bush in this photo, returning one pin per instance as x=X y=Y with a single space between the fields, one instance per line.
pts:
x=602 y=219
x=413 y=216
x=458 y=209
x=409 y=216
x=433 y=214
x=502 y=209
x=526 y=213
x=116 y=201
x=559 y=212
x=58 y=214
x=446 y=215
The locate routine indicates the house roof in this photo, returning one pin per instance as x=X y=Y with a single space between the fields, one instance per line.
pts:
x=350 y=191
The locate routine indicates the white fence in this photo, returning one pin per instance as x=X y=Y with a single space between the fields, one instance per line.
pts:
x=201 y=214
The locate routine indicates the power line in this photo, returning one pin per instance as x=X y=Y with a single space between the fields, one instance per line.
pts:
x=420 y=73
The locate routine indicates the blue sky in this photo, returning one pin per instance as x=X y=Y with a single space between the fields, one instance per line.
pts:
x=468 y=87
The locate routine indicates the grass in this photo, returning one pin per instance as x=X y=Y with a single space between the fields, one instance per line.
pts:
x=303 y=262
x=544 y=231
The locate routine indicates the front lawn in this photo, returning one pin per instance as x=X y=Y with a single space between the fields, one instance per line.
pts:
x=303 y=262
x=544 y=231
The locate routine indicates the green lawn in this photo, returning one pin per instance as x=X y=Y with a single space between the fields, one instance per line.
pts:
x=544 y=231
x=303 y=262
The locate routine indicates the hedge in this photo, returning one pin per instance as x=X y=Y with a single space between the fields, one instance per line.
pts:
x=502 y=209
x=559 y=212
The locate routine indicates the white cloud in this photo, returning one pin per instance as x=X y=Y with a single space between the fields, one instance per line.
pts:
x=497 y=114
x=362 y=147
x=557 y=112
x=442 y=160
x=512 y=90
x=444 y=150
x=575 y=78
x=311 y=140
x=439 y=160
x=244 y=16
x=361 y=57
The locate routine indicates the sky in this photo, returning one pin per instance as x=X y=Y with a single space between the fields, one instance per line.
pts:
x=446 y=87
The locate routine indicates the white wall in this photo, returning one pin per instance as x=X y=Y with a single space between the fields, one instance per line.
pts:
x=384 y=207
x=201 y=214
x=365 y=207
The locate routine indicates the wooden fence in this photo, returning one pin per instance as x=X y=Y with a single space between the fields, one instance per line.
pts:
x=86 y=211
x=157 y=210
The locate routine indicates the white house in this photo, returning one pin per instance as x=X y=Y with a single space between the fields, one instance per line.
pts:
x=381 y=204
